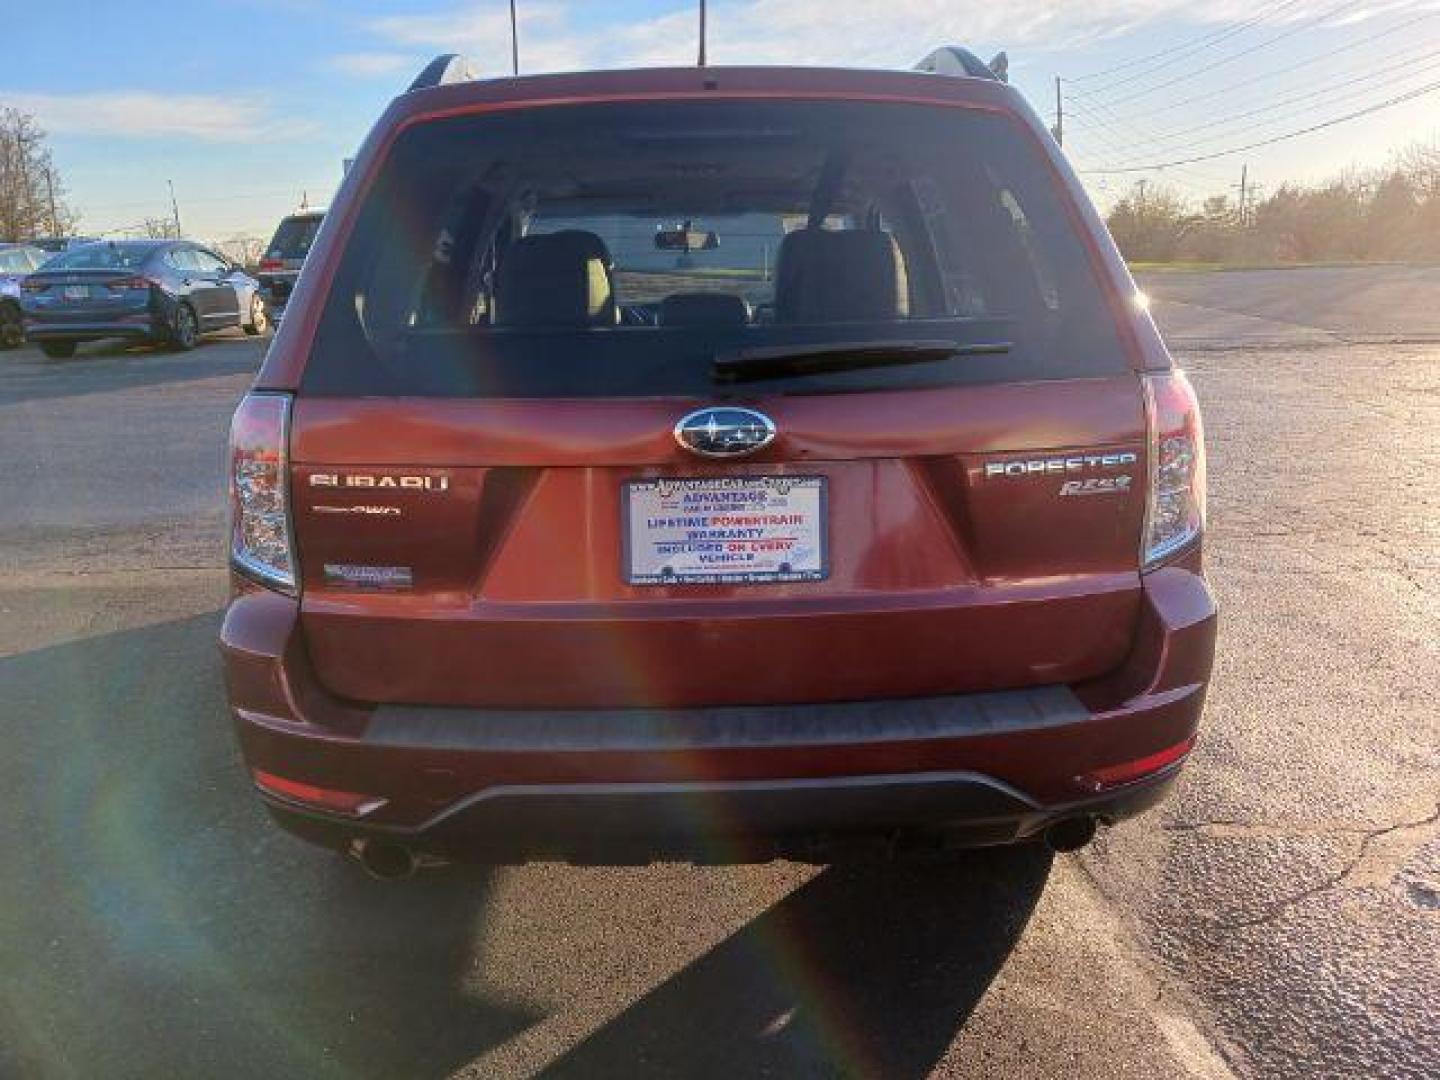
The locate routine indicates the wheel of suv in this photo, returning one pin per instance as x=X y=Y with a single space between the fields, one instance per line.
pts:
x=186 y=334
x=58 y=350
x=12 y=333
x=259 y=317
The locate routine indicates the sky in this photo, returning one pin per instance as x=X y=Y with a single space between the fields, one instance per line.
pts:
x=250 y=108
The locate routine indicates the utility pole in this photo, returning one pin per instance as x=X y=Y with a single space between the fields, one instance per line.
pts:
x=1244 y=192
x=1059 y=114
x=702 y=34
x=50 y=191
x=514 y=41
x=175 y=209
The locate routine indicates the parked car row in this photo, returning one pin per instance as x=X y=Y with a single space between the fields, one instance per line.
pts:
x=60 y=293
x=155 y=291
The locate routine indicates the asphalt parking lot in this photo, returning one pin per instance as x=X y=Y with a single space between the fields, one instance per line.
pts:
x=1280 y=916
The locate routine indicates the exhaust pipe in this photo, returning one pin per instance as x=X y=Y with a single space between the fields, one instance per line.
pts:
x=1070 y=834
x=384 y=861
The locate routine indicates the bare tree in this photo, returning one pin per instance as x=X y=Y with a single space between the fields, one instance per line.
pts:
x=245 y=250
x=1389 y=213
x=158 y=228
x=1420 y=162
x=32 y=196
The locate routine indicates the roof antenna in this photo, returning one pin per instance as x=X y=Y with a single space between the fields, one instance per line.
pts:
x=514 y=41
x=702 y=34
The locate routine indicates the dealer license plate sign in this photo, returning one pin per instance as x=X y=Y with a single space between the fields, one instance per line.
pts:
x=745 y=530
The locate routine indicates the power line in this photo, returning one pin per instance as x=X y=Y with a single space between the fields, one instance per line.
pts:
x=1326 y=92
x=1348 y=47
x=1232 y=57
x=1199 y=182
x=1132 y=134
x=1186 y=48
x=231 y=197
x=1399 y=99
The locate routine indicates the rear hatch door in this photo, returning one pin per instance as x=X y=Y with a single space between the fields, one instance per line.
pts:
x=492 y=506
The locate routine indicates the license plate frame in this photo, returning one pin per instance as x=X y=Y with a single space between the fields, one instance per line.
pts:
x=739 y=536
x=74 y=294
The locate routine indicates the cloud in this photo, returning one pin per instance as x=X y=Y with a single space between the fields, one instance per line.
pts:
x=141 y=114
x=371 y=64
x=483 y=34
x=865 y=33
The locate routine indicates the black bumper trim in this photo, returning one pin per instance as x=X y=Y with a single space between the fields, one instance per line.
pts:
x=810 y=819
x=817 y=724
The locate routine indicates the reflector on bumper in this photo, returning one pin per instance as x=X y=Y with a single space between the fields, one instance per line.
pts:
x=349 y=803
x=1127 y=772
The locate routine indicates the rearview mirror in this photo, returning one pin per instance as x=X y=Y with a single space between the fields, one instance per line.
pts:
x=685 y=238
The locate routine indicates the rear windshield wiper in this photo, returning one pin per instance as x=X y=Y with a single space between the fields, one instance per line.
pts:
x=786 y=361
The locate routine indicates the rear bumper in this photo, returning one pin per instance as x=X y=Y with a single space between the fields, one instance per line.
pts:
x=143 y=325
x=276 y=288
x=722 y=782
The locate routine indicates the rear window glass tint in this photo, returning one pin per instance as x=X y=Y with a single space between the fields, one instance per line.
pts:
x=293 y=238
x=102 y=257
x=620 y=249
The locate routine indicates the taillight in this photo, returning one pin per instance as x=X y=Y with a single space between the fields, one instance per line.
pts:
x=30 y=285
x=1175 y=512
x=129 y=284
x=261 y=544
x=272 y=264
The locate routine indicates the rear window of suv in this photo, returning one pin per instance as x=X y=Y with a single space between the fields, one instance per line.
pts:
x=294 y=236
x=624 y=249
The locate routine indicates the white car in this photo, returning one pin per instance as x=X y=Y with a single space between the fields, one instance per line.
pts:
x=16 y=260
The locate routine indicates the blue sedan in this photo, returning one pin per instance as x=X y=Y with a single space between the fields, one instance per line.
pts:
x=158 y=291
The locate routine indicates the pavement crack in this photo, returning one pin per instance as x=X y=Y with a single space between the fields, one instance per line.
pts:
x=1353 y=869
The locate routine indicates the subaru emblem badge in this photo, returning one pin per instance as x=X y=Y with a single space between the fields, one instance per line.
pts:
x=724 y=431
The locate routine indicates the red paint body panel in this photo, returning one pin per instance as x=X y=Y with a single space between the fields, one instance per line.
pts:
x=940 y=580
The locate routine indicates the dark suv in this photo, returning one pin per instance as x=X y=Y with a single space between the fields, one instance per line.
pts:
x=280 y=265
x=714 y=463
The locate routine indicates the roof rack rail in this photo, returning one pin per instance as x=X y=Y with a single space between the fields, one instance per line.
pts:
x=953 y=60
x=444 y=69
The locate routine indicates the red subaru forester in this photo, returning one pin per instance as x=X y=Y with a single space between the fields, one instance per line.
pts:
x=714 y=463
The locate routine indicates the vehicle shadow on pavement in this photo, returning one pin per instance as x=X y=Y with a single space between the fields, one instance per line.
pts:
x=28 y=376
x=154 y=923
x=863 y=971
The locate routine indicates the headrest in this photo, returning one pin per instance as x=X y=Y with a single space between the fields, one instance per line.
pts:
x=850 y=275
x=704 y=309
x=555 y=279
